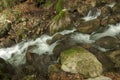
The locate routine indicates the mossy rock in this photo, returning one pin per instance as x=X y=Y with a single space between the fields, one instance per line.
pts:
x=60 y=22
x=58 y=6
x=79 y=60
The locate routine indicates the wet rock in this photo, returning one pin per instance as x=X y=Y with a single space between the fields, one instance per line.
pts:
x=79 y=60
x=6 y=70
x=115 y=57
x=36 y=65
x=55 y=73
x=6 y=42
x=116 y=17
x=111 y=20
x=85 y=6
x=104 y=2
x=65 y=43
x=89 y=26
x=104 y=22
x=115 y=9
x=107 y=42
x=83 y=10
x=105 y=11
x=57 y=37
x=100 y=78
x=60 y=22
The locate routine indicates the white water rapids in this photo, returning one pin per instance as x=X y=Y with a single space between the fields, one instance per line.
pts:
x=16 y=54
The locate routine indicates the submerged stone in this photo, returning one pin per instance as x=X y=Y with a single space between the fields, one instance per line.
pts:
x=79 y=60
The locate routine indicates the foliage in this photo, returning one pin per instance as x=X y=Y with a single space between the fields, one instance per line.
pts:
x=58 y=6
x=60 y=15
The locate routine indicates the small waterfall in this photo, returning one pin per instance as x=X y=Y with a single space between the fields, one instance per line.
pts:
x=111 y=5
x=81 y=38
x=92 y=15
x=111 y=31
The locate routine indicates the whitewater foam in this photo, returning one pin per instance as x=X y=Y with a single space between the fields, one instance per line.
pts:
x=111 y=31
x=81 y=38
x=111 y=5
x=15 y=55
x=91 y=16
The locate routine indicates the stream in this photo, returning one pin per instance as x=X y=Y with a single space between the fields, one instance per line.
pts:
x=15 y=55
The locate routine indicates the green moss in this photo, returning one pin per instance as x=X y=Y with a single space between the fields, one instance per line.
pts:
x=48 y=4
x=60 y=15
x=58 y=6
x=74 y=50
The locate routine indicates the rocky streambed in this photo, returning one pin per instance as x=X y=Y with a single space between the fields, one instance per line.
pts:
x=60 y=40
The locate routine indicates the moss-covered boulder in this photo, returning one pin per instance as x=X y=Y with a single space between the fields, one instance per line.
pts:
x=79 y=60
x=60 y=22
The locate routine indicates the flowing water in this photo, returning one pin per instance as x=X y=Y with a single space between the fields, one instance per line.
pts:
x=92 y=15
x=16 y=54
x=111 y=5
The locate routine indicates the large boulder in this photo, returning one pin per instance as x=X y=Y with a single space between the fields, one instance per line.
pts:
x=79 y=60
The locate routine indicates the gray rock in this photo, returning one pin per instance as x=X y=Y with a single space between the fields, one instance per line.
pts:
x=79 y=60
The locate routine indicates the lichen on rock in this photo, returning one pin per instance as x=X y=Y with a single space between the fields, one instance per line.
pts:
x=79 y=60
